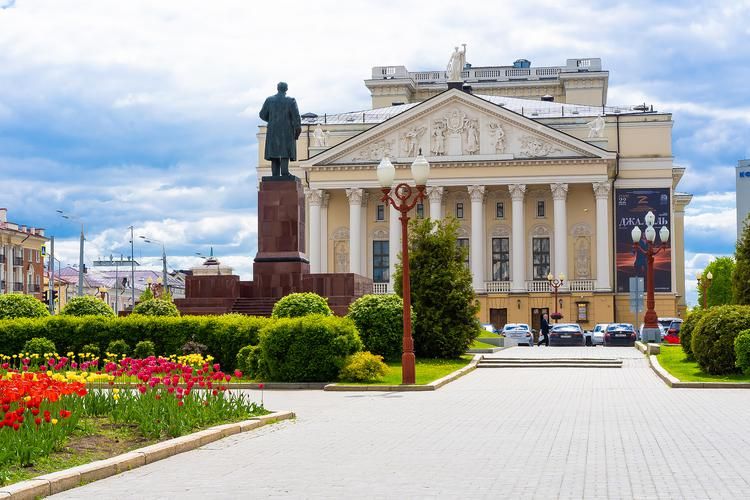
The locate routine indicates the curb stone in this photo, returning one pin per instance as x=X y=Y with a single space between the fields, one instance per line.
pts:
x=63 y=480
x=437 y=384
x=676 y=383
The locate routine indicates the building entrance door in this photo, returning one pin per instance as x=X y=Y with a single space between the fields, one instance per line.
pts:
x=536 y=320
x=498 y=318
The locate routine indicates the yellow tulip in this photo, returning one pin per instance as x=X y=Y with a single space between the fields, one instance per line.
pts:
x=54 y=421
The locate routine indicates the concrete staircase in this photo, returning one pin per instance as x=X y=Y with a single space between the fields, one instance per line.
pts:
x=254 y=306
x=491 y=362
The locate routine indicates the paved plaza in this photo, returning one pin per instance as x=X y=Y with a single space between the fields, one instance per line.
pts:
x=495 y=433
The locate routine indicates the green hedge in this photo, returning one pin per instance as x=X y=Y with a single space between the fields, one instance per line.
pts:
x=224 y=335
x=686 y=330
x=380 y=321
x=713 y=338
x=17 y=305
x=742 y=350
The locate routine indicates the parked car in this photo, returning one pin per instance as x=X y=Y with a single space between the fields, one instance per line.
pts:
x=566 y=334
x=518 y=333
x=619 y=334
x=673 y=332
x=597 y=334
x=662 y=331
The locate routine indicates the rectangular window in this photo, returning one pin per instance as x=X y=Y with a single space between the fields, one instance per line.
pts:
x=499 y=210
x=459 y=210
x=583 y=311
x=380 y=261
x=464 y=243
x=380 y=213
x=540 y=249
x=500 y=259
x=420 y=210
x=540 y=208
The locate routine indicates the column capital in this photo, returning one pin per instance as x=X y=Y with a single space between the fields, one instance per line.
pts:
x=314 y=196
x=559 y=191
x=365 y=198
x=355 y=195
x=602 y=189
x=325 y=199
x=517 y=191
x=476 y=193
x=435 y=193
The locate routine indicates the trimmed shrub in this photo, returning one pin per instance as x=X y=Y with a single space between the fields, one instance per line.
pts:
x=40 y=346
x=86 y=306
x=16 y=305
x=156 y=307
x=296 y=305
x=380 y=322
x=118 y=348
x=192 y=347
x=363 y=367
x=742 y=350
x=686 y=330
x=308 y=349
x=91 y=349
x=713 y=338
x=225 y=335
x=248 y=361
x=144 y=349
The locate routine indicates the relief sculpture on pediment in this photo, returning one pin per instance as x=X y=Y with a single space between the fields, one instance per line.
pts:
x=497 y=135
x=535 y=147
x=375 y=151
x=411 y=140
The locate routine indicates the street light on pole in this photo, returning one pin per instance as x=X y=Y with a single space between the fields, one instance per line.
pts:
x=651 y=330
x=704 y=282
x=80 y=250
x=163 y=259
x=555 y=284
x=403 y=202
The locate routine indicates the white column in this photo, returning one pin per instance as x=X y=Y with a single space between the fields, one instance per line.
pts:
x=355 y=229
x=394 y=241
x=559 y=196
x=324 y=232
x=603 y=263
x=363 y=224
x=435 y=193
x=517 y=251
x=477 y=236
x=314 y=198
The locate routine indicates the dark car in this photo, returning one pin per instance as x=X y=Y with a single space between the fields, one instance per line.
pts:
x=566 y=334
x=620 y=334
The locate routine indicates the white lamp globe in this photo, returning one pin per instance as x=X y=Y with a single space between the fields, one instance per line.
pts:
x=550 y=277
x=386 y=172
x=650 y=234
x=420 y=170
x=561 y=276
x=636 y=234
x=650 y=218
x=709 y=276
x=664 y=234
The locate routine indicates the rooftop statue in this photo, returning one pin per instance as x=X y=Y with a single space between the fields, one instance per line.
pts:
x=456 y=65
x=284 y=128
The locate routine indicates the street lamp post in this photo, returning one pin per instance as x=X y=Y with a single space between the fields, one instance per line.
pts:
x=163 y=259
x=704 y=282
x=651 y=330
x=80 y=250
x=404 y=202
x=556 y=283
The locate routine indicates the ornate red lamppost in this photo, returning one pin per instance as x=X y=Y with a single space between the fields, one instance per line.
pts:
x=651 y=330
x=704 y=282
x=555 y=284
x=403 y=202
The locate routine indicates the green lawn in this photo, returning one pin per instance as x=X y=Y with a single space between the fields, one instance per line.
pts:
x=481 y=345
x=674 y=360
x=428 y=370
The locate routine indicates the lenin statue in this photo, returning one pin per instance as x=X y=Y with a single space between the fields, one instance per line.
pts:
x=284 y=128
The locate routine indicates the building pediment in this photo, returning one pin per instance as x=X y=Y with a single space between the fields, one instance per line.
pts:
x=454 y=127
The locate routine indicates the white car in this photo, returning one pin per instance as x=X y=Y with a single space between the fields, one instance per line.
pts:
x=597 y=334
x=518 y=333
x=662 y=331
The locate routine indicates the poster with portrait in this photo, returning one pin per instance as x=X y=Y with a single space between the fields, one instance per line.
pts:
x=631 y=207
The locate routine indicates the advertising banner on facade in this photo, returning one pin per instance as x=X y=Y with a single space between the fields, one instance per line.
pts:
x=632 y=205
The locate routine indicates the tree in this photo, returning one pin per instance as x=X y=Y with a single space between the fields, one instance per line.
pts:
x=442 y=294
x=720 y=290
x=741 y=274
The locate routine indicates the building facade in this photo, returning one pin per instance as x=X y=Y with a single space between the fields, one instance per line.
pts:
x=742 y=178
x=21 y=261
x=537 y=186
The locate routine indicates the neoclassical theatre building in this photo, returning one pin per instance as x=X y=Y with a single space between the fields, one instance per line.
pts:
x=543 y=176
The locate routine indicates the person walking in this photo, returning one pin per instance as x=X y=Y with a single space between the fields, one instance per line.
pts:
x=544 y=331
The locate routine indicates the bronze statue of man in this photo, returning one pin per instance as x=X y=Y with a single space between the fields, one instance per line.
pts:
x=284 y=128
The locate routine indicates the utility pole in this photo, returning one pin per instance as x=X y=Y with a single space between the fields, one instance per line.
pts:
x=132 y=267
x=80 y=264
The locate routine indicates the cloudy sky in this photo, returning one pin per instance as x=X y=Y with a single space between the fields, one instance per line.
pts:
x=144 y=113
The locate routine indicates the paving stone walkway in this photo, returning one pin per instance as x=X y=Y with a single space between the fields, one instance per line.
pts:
x=510 y=433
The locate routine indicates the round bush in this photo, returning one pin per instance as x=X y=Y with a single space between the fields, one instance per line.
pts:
x=686 y=330
x=86 y=306
x=713 y=338
x=248 y=360
x=91 y=349
x=118 y=348
x=742 y=350
x=144 y=349
x=156 y=307
x=363 y=367
x=380 y=322
x=17 y=305
x=296 y=305
x=41 y=346
x=308 y=349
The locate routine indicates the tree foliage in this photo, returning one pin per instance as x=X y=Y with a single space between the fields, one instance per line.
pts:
x=720 y=289
x=87 y=306
x=442 y=294
x=380 y=321
x=296 y=305
x=17 y=305
x=156 y=307
x=741 y=274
